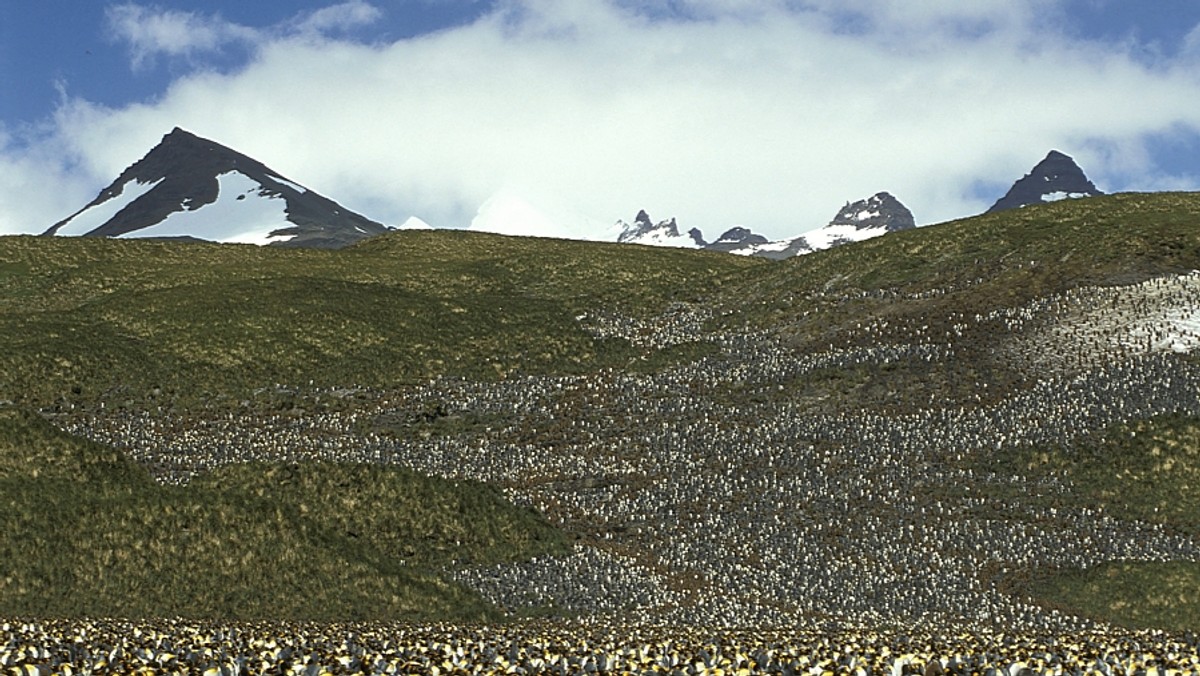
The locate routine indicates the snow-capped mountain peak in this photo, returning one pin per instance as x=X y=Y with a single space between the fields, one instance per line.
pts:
x=190 y=187
x=1055 y=178
x=876 y=215
x=663 y=233
x=880 y=210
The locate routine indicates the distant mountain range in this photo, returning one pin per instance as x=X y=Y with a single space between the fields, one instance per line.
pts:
x=188 y=187
x=1055 y=177
x=876 y=215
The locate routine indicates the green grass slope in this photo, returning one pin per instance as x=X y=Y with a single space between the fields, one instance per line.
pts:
x=925 y=280
x=84 y=320
x=983 y=262
x=83 y=532
x=1148 y=471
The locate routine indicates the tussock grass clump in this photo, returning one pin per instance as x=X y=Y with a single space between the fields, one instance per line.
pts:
x=1145 y=470
x=1139 y=594
x=84 y=532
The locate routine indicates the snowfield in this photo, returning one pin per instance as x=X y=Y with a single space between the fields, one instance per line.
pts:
x=1155 y=316
x=242 y=214
x=93 y=217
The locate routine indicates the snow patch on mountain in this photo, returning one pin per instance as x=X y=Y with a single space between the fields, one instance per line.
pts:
x=1055 y=178
x=1060 y=195
x=664 y=233
x=414 y=223
x=243 y=213
x=763 y=248
x=836 y=235
x=667 y=237
x=95 y=216
x=291 y=184
x=874 y=216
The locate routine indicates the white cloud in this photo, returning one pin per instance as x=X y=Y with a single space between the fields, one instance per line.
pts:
x=340 y=17
x=718 y=112
x=151 y=31
x=38 y=184
x=1191 y=44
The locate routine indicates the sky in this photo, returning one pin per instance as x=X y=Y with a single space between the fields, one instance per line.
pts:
x=571 y=114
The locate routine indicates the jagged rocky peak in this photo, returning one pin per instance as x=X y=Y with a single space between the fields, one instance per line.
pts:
x=188 y=187
x=1054 y=178
x=631 y=232
x=737 y=239
x=664 y=233
x=879 y=211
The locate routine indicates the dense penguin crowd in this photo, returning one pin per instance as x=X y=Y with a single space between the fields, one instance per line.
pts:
x=705 y=495
x=571 y=647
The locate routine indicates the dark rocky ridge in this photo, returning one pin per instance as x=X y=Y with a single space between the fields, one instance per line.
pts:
x=187 y=167
x=1056 y=174
x=880 y=210
x=736 y=238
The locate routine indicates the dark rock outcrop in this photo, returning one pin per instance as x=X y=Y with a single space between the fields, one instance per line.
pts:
x=1055 y=177
x=736 y=238
x=880 y=210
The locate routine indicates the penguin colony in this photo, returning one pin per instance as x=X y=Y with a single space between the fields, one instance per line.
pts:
x=178 y=647
x=705 y=496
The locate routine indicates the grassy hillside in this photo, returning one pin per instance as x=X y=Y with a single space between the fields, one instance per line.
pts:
x=192 y=333
x=84 y=532
x=979 y=263
x=85 y=320
x=1109 y=239
x=1126 y=593
x=916 y=286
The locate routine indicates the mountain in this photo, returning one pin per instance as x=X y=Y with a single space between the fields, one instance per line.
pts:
x=188 y=187
x=1054 y=178
x=879 y=213
x=736 y=239
x=663 y=233
x=876 y=215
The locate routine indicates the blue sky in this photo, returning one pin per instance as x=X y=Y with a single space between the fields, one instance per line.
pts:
x=769 y=114
x=52 y=43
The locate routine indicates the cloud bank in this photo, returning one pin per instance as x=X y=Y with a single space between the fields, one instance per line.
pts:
x=769 y=114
